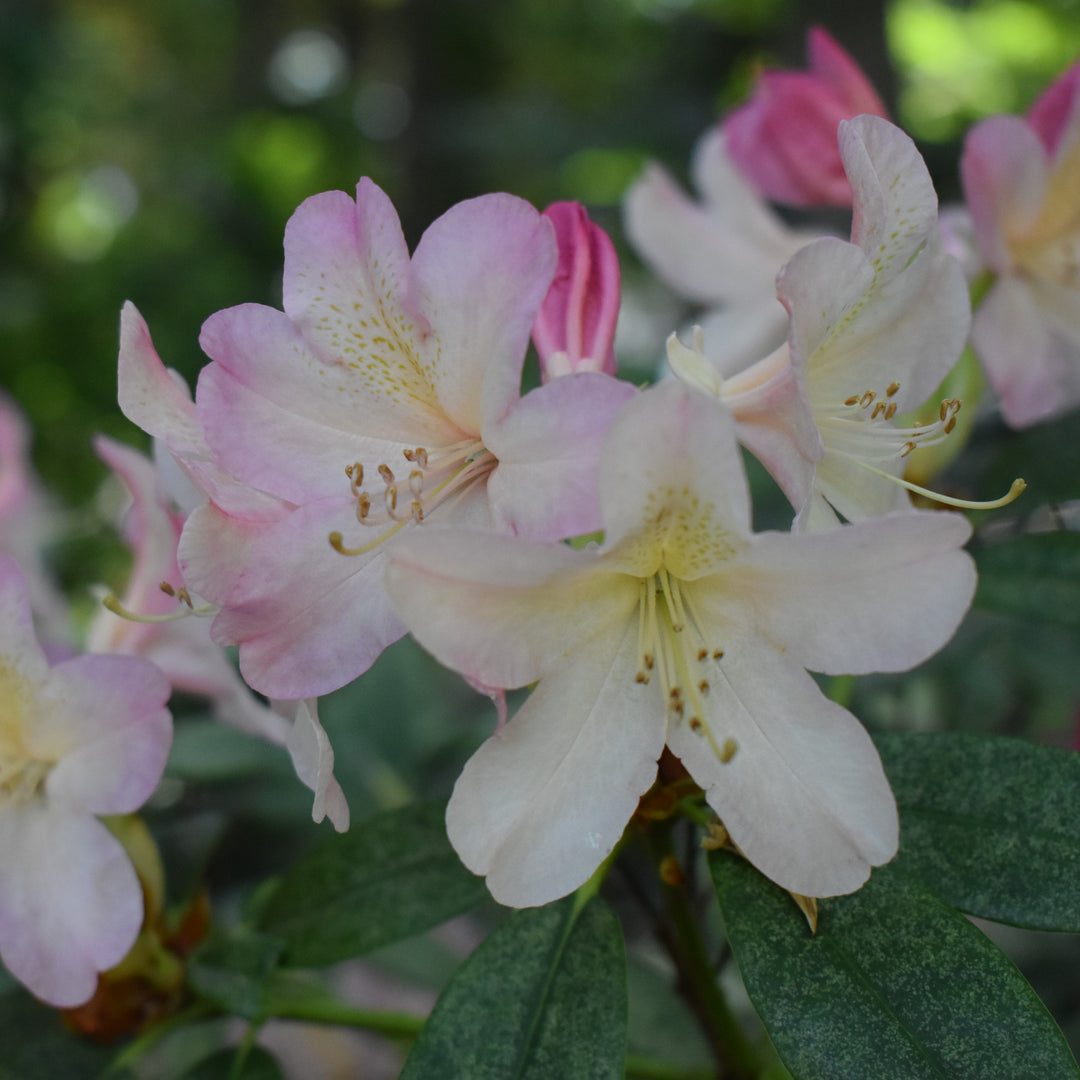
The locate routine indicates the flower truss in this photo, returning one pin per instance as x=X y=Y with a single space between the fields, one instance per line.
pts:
x=784 y=138
x=1022 y=183
x=86 y=737
x=683 y=628
x=875 y=325
x=148 y=622
x=385 y=395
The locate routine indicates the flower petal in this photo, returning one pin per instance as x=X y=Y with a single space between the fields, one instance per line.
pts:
x=502 y=611
x=307 y=619
x=804 y=796
x=108 y=715
x=548 y=445
x=483 y=270
x=313 y=758
x=70 y=902
x=542 y=803
x=881 y=595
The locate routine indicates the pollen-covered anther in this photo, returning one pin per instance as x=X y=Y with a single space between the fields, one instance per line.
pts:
x=167 y=589
x=853 y=400
x=907 y=448
x=890 y=410
x=416 y=511
x=390 y=498
x=866 y=399
x=185 y=597
x=891 y=391
x=642 y=677
x=386 y=473
x=879 y=408
x=417 y=456
x=363 y=505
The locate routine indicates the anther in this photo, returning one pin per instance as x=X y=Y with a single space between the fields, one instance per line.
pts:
x=893 y=387
x=907 y=448
x=853 y=400
x=675 y=693
x=879 y=408
x=417 y=511
x=649 y=661
x=641 y=677
x=363 y=505
x=386 y=473
x=391 y=496
x=890 y=412
x=167 y=589
x=866 y=399
x=702 y=654
x=416 y=482
x=727 y=751
x=703 y=686
x=718 y=654
x=950 y=425
x=185 y=596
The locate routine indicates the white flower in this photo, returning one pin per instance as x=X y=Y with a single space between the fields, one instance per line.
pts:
x=683 y=628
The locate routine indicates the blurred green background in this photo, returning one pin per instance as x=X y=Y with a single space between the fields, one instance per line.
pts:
x=153 y=150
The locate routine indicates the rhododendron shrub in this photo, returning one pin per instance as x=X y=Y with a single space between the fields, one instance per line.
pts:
x=677 y=673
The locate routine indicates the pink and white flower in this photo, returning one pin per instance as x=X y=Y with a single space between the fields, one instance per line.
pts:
x=875 y=325
x=181 y=647
x=683 y=628
x=386 y=394
x=575 y=327
x=86 y=737
x=784 y=139
x=723 y=251
x=1022 y=183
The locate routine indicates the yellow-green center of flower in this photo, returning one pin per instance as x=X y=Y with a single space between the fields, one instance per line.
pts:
x=22 y=775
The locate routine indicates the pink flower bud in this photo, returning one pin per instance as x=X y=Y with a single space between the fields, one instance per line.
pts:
x=1050 y=114
x=784 y=138
x=575 y=328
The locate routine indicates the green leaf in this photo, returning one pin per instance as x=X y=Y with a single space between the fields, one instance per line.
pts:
x=233 y=973
x=991 y=825
x=895 y=985
x=1035 y=577
x=543 y=998
x=34 y=1044
x=389 y=877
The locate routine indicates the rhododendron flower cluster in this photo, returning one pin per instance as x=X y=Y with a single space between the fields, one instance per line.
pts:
x=369 y=461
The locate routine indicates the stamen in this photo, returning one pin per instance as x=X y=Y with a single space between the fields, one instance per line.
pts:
x=386 y=473
x=363 y=505
x=1014 y=492
x=866 y=399
x=112 y=602
x=853 y=400
x=893 y=387
x=338 y=544
x=416 y=483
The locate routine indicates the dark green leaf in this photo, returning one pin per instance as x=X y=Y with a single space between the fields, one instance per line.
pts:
x=258 y=1065
x=895 y=985
x=34 y=1044
x=390 y=877
x=233 y=973
x=1035 y=577
x=991 y=825
x=543 y=998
